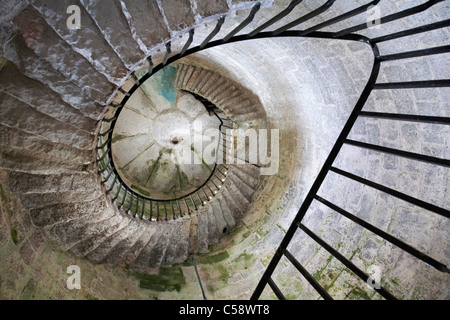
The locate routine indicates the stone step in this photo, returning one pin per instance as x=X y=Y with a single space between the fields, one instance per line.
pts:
x=239 y=198
x=17 y=159
x=133 y=253
x=222 y=88
x=209 y=83
x=202 y=227
x=15 y=113
x=39 y=200
x=111 y=20
x=33 y=143
x=221 y=223
x=87 y=41
x=195 y=78
x=194 y=233
x=151 y=255
x=187 y=76
x=232 y=92
x=181 y=71
x=211 y=87
x=145 y=16
x=213 y=234
x=37 y=183
x=35 y=67
x=235 y=209
x=178 y=246
x=111 y=226
x=59 y=213
x=117 y=253
x=243 y=187
x=46 y=43
x=72 y=232
x=226 y=212
x=248 y=173
x=42 y=99
x=196 y=86
x=102 y=251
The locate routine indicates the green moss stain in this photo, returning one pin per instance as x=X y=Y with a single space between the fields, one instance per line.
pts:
x=88 y=296
x=204 y=259
x=168 y=279
x=245 y=257
x=140 y=190
x=358 y=294
x=117 y=137
x=14 y=236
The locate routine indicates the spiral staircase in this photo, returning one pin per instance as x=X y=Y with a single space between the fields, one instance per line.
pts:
x=72 y=103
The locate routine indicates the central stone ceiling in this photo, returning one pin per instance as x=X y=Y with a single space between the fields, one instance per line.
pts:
x=160 y=137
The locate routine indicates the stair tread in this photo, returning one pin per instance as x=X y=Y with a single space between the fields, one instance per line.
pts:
x=149 y=255
x=15 y=113
x=40 y=200
x=112 y=225
x=235 y=209
x=72 y=232
x=178 y=249
x=140 y=244
x=102 y=250
x=42 y=99
x=33 y=143
x=118 y=251
x=56 y=16
x=49 y=45
x=227 y=215
x=220 y=222
x=41 y=183
x=242 y=186
x=33 y=66
x=59 y=213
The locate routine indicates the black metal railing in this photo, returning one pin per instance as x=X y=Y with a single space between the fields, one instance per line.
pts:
x=343 y=139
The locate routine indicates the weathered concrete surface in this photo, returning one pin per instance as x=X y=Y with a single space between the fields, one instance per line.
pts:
x=109 y=17
x=47 y=44
x=87 y=40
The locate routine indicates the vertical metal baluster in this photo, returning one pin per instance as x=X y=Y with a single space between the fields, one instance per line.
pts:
x=193 y=202
x=123 y=199
x=118 y=191
x=278 y=17
x=198 y=196
x=179 y=209
x=165 y=209
x=151 y=210
x=168 y=52
x=131 y=201
x=143 y=208
x=173 y=210
x=187 y=207
x=188 y=43
x=244 y=23
x=137 y=205
x=214 y=32
x=157 y=210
